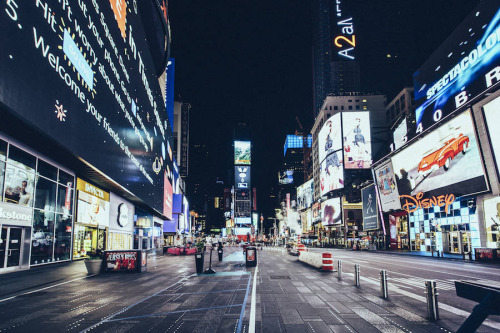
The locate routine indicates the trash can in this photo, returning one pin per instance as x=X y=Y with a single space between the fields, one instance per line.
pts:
x=199 y=259
x=251 y=256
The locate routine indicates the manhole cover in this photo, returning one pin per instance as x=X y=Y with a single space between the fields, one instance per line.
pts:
x=280 y=277
x=239 y=265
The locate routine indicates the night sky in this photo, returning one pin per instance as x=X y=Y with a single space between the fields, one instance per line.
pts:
x=251 y=61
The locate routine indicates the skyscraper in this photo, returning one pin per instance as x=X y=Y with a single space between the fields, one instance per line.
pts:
x=335 y=68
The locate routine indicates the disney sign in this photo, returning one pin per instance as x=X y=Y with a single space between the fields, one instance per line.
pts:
x=416 y=202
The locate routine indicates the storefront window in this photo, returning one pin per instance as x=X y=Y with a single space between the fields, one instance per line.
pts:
x=19 y=185
x=43 y=237
x=62 y=248
x=88 y=239
x=2 y=173
x=45 y=195
x=66 y=179
x=21 y=158
x=65 y=200
x=47 y=170
x=3 y=150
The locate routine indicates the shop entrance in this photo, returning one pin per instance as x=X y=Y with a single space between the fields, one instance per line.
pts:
x=10 y=247
x=466 y=246
x=453 y=242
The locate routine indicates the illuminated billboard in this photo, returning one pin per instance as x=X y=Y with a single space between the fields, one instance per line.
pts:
x=370 y=213
x=492 y=115
x=242 y=153
x=87 y=80
x=305 y=194
x=286 y=177
x=461 y=69
x=400 y=135
x=357 y=140
x=331 y=173
x=446 y=160
x=387 y=186
x=330 y=137
x=242 y=177
x=331 y=212
x=343 y=33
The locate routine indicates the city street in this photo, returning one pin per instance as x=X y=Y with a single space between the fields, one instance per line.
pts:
x=289 y=297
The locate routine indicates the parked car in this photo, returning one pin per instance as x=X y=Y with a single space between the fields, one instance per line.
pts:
x=443 y=156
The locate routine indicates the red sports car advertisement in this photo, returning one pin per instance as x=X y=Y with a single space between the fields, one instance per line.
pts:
x=445 y=161
x=122 y=261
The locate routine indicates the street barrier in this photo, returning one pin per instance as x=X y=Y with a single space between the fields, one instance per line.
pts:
x=432 y=302
x=383 y=284
x=316 y=260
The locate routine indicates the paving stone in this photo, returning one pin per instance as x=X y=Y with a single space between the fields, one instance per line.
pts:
x=295 y=328
x=290 y=316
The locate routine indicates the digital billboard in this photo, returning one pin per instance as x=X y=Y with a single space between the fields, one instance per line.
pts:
x=242 y=153
x=492 y=221
x=331 y=212
x=399 y=135
x=305 y=195
x=387 y=186
x=357 y=140
x=242 y=177
x=492 y=115
x=329 y=137
x=370 y=212
x=286 y=177
x=187 y=216
x=343 y=33
x=331 y=173
x=445 y=161
x=82 y=74
x=169 y=89
x=462 y=68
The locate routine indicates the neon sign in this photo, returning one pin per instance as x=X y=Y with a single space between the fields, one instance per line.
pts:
x=346 y=40
x=414 y=203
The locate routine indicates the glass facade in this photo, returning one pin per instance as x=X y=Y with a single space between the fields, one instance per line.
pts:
x=455 y=231
x=29 y=181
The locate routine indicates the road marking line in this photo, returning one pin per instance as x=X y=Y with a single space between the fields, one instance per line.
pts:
x=240 y=320
x=251 y=328
x=37 y=290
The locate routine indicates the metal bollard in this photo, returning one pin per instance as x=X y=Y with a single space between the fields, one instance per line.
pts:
x=383 y=284
x=432 y=302
x=438 y=253
x=356 y=275
x=339 y=269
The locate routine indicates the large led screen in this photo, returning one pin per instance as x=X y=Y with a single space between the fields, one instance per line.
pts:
x=330 y=137
x=331 y=175
x=370 y=213
x=286 y=177
x=445 y=161
x=242 y=176
x=399 y=135
x=492 y=221
x=331 y=212
x=387 y=186
x=357 y=140
x=492 y=115
x=305 y=194
x=242 y=152
x=81 y=73
x=463 y=67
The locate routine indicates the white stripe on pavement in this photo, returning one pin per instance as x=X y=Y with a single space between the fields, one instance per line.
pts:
x=251 y=328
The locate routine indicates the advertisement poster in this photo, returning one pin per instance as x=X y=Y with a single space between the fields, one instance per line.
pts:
x=331 y=173
x=370 y=213
x=399 y=135
x=286 y=177
x=387 y=187
x=315 y=212
x=492 y=221
x=393 y=232
x=331 y=212
x=242 y=176
x=492 y=115
x=330 y=137
x=357 y=142
x=242 y=152
x=445 y=161
x=92 y=210
x=462 y=68
x=305 y=194
x=122 y=261
x=95 y=91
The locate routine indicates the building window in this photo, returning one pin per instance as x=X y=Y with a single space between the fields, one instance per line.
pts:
x=350 y=107
x=335 y=107
x=342 y=107
x=357 y=107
